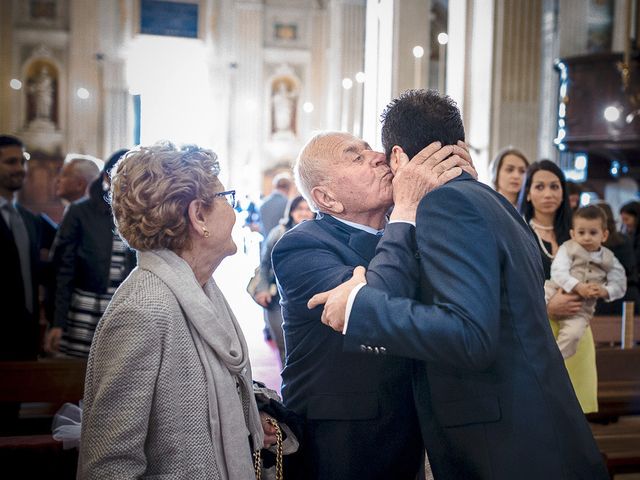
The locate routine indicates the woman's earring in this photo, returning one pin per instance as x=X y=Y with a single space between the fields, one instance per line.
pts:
x=205 y=232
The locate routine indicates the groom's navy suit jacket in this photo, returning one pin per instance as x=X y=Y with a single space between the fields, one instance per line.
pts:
x=361 y=421
x=493 y=395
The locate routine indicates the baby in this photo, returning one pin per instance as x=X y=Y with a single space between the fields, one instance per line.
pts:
x=583 y=266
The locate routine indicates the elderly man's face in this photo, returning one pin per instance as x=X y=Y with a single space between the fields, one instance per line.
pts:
x=359 y=176
x=70 y=185
x=13 y=169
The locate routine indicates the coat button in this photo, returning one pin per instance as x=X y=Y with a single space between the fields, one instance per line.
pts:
x=369 y=349
x=376 y=350
x=363 y=348
x=383 y=350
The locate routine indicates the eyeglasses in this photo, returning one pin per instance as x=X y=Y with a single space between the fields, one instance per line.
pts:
x=230 y=197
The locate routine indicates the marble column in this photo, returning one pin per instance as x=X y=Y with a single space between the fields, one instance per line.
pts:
x=84 y=135
x=548 y=101
x=345 y=56
x=247 y=96
x=8 y=97
x=517 y=76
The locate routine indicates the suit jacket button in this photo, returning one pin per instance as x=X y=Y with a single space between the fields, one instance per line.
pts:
x=383 y=350
x=363 y=348
x=369 y=349
x=376 y=350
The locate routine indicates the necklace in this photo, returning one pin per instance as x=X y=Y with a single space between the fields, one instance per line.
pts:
x=540 y=242
x=540 y=227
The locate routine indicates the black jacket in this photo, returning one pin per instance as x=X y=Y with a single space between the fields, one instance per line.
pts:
x=83 y=251
x=19 y=338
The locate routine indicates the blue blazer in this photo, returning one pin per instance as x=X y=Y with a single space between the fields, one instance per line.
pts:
x=493 y=395
x=360 y=417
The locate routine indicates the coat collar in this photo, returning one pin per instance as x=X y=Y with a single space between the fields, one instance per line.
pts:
x=361 y=242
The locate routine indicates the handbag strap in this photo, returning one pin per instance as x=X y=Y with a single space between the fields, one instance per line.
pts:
x=257 y=456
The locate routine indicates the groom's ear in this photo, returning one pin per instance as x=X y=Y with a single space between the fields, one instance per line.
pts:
x=397 y=159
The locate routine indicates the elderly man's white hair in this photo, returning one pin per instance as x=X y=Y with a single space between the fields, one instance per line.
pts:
x=310 y=168
x=282 y=181
x=86 y=166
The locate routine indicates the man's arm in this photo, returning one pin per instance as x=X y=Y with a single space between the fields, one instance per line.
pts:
x=67 y=241
x=305 y=265
x=460 y=261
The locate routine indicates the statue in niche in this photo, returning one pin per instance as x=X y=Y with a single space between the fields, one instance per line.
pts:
x=42 y=90
x=41 y=96
x=283 y=109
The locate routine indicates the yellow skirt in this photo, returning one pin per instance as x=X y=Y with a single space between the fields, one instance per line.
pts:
x=582 y=370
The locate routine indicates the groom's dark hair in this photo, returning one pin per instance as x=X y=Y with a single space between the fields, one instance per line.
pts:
x=420 y=117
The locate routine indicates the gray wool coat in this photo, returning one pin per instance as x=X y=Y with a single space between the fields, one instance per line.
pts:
x=145 y=406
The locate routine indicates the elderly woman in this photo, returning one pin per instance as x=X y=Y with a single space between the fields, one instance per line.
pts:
x=168 y=387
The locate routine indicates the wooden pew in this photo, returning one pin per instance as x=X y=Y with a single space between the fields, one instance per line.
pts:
x=620 y=444
x=51 y=382
x=618 y=381
x=607 y=330
x=617 y=431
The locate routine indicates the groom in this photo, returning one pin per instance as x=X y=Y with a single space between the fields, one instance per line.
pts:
x=493 y=397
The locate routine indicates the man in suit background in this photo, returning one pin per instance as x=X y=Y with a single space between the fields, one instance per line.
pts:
x=75 y=176
x=493 y=395
x=272 y=209
x=20 y=232
x=359 y=411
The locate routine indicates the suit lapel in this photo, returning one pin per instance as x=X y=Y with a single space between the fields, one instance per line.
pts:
x=362 y=243
x=4 y=229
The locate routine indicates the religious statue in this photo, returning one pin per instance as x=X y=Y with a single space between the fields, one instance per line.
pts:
x=42 y=91
x=283 y=109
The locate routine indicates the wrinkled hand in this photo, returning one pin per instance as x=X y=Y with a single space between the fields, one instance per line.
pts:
x=564 y=304
x=52 y=340
x=263 y=298
x=465 y=155
x=335 y=301
x=432 y=167
x=269 y=431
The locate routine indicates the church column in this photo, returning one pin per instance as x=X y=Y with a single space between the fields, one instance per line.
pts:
x=84 y=135
x=8 y=96
x=517 y=74
x=470 y=73
x=549 y=82
x=246 y=90
x=117 y=131
x=345 y=58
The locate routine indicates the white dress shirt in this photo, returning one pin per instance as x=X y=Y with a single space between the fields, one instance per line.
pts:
x=354 y=292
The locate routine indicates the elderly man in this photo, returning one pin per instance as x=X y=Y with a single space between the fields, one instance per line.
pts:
x=74 y=178
x=493 y=396
x=71 y=185
x=20 y=239
x=359 y=410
